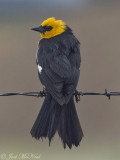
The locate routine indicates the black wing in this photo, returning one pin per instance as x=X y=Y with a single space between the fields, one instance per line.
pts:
x=61 y=66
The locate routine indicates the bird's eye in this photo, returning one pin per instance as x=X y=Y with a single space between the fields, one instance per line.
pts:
x=48 y=28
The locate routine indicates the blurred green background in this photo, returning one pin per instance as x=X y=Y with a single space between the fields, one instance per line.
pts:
x=97 y=26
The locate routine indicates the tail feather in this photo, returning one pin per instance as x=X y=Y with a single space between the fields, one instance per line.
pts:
x=77 y=133
x=70 y=130
x=40 y=127
x=53 y=117
x=62 y=127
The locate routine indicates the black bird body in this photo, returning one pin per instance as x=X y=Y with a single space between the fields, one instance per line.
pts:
x=58 y=61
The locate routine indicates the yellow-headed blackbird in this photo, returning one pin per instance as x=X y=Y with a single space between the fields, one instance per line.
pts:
x=58 y=59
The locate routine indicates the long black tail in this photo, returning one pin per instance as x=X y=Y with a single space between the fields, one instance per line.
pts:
x=53 y=117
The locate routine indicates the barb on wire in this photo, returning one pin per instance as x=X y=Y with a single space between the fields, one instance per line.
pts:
x=77 y=94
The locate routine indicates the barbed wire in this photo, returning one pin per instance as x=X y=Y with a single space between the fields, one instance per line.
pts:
x=77 y=94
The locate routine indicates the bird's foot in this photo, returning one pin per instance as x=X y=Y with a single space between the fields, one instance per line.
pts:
x=77 y=95
x=42 y=93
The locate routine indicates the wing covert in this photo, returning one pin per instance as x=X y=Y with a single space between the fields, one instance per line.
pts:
x=61 y=66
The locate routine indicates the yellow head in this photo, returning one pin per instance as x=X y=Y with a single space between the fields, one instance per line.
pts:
x=51 y=27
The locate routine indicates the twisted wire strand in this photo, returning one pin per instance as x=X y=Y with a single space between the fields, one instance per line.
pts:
x=77 y=94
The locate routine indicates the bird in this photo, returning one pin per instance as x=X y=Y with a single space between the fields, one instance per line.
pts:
x=58 y=60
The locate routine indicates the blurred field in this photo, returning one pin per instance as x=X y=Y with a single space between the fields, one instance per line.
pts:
x=98 y=29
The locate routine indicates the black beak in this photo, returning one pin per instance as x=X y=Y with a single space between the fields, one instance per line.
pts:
x=39 y=29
